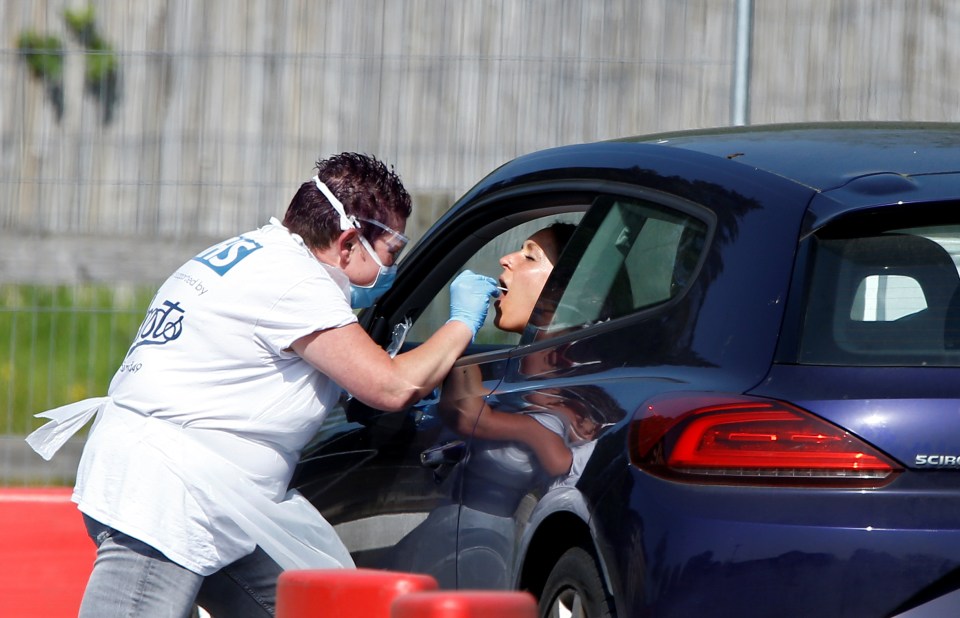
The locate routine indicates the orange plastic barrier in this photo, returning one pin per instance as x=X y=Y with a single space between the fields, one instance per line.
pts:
x=345 y=593
x=465 y=604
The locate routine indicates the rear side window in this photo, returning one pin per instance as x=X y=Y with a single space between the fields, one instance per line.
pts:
x=887 y=298
x=626 y=256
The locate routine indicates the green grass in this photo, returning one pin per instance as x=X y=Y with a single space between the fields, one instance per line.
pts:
x=60 y=344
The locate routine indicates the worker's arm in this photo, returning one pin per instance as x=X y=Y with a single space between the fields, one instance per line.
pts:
x=354 y=361
x=351 y=359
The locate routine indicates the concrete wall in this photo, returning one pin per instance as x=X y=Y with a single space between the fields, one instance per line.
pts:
x=224 y=105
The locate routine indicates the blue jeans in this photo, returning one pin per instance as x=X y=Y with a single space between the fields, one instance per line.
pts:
x=131 y=578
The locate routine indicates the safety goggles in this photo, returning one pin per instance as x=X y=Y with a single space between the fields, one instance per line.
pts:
x=394 y=239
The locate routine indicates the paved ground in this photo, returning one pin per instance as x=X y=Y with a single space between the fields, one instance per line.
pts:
x=44 y=552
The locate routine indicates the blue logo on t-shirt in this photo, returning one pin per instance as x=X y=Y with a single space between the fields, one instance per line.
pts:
x=221 y=258
x=162 y=325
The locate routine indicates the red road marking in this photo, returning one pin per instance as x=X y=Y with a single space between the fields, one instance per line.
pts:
x=45 y=553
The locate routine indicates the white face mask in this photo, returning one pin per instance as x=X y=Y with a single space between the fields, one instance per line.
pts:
x=362 y=296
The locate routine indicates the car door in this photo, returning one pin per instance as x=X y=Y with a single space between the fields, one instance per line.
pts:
x=630 y=255
x=390 y=482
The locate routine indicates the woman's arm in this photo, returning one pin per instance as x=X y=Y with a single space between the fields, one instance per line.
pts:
x=550 y=449
x=465 y=410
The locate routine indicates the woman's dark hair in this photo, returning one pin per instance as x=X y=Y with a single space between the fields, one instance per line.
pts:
x=367 y=188
x=561 y=234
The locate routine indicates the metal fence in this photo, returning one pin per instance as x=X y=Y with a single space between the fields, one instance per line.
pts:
x=135 y=132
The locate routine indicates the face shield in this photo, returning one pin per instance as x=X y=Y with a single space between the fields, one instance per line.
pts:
x=362 y=296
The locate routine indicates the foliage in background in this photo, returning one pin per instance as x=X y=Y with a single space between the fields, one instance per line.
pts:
x=43 y=54
x=62 y=344
x=101 y=76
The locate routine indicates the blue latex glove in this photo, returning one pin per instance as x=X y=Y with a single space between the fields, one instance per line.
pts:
x=470 y=295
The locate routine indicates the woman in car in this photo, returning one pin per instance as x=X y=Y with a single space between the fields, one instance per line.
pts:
x=553 y=428
x=525 y=272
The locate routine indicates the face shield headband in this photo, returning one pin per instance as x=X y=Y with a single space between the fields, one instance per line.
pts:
x=395 y=240
x=365 y=295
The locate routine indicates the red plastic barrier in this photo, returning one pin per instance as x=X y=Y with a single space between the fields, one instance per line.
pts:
x=345 y=593
x=45 y=553
x=465 y=604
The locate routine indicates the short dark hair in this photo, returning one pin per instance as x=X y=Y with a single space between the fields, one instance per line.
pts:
x=365 y=186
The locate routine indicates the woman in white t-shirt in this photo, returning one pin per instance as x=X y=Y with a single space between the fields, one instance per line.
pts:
x=545 y=436
x=183 y=479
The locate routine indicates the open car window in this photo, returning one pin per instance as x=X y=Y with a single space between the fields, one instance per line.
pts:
x=485 y=261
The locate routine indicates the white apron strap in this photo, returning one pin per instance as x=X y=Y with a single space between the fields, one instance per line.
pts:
x=64 y=422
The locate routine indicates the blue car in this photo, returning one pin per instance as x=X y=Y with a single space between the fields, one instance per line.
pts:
x=749 y=352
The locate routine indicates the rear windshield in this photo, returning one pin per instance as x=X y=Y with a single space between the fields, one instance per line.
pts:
x=883 y=297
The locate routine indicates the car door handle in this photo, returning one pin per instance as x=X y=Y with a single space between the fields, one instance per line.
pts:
x=448 y=453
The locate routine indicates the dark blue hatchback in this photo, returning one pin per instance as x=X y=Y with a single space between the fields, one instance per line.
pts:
x=749 y=352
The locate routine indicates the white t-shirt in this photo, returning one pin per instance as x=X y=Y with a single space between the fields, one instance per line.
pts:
x=213 y=359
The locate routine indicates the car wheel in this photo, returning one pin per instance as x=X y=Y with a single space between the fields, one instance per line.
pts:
x=574 y=588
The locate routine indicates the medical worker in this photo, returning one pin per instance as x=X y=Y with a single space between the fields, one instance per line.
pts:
x=243 y=351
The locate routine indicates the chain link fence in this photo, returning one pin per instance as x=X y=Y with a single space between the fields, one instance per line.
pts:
x=134 y=133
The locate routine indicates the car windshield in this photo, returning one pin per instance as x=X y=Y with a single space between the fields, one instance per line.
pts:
x=887 y=297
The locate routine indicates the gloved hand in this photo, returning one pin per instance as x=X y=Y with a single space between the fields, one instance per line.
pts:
x=470 y=295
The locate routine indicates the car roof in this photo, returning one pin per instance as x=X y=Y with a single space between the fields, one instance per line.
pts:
x=825 y=156
x=829 y=168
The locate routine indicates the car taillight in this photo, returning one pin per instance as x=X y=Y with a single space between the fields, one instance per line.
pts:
x=732 y=438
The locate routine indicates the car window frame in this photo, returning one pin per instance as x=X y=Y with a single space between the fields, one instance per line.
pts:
x=534 y=336
x=498 y=210
x=857 y=222
x=461 y=237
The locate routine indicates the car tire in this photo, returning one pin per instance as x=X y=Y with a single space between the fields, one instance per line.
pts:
x=574 y=588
